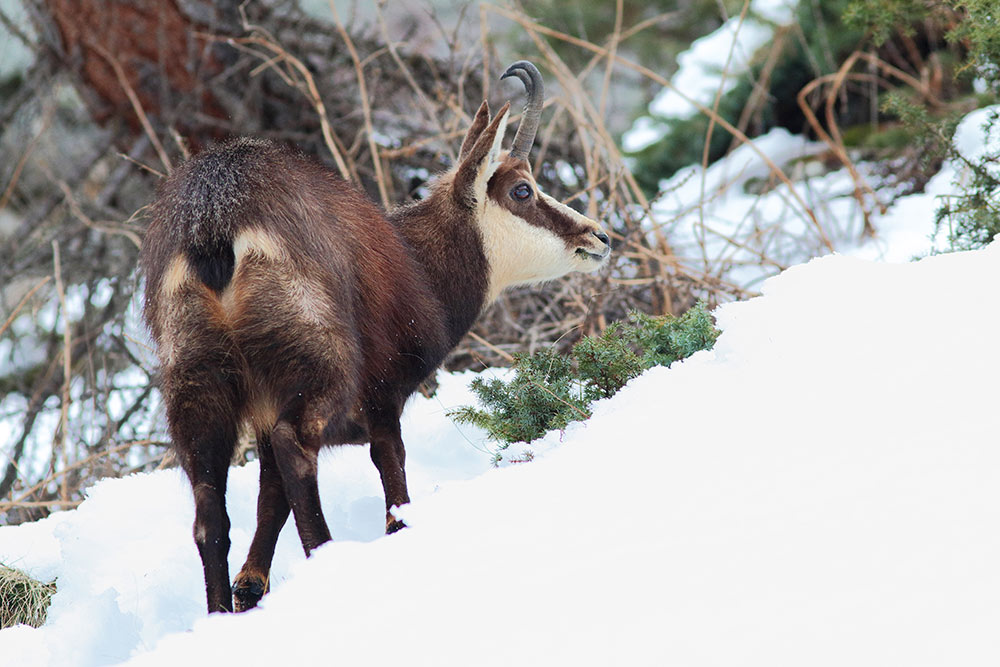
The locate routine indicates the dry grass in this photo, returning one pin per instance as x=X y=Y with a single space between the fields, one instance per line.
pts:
x=23 y=600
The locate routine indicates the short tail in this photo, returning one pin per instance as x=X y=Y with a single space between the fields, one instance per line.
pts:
x=208 y=197
x=213 y=266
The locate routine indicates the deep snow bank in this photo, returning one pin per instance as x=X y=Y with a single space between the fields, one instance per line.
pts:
x=822 y=488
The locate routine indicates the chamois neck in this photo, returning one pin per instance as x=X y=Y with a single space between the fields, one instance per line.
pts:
x=446 y=243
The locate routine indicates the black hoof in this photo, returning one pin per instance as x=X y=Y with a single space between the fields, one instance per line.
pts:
x=394 y=526
x=247 y=594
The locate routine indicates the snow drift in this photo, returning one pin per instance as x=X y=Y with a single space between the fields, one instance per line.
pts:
x=821 y=488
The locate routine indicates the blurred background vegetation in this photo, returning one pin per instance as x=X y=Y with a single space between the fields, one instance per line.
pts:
x=100 y=98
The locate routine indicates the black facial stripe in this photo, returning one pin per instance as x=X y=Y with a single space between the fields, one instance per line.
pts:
x=557 y=221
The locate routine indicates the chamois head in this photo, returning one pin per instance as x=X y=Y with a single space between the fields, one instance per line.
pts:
x=528 y=236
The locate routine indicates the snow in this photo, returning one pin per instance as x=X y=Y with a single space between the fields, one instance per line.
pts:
x=821 y=488
x=699 y=76
x=907 y=227
x=699 y=71
x=735 y=218
x=974 y=141
x=15 y=56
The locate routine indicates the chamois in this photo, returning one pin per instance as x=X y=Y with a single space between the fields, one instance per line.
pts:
x=282 y=300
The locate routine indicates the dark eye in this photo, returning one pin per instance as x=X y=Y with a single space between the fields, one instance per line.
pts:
x=521 y=192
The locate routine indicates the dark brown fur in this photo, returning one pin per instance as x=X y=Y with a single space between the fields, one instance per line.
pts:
x=280 y=297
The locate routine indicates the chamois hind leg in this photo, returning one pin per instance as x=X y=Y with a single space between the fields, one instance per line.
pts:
x=389 y=457
x=296 y=439
x=202 y=407
x=272 y=511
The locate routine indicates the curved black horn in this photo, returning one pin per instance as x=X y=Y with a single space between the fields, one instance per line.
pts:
x=532 y=80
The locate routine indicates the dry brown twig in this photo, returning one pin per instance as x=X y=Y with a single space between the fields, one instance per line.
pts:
x=425 y=101
x=23 y=160
x=63 y=429
x=142 y=165
x=366 y=109
x=134 y=101
x=280 y=55
x=78 y=213
x=20 y=304
x=711 y=127
x=610 y=65
x=482 y=341
x=77 y=465
x=831 y=135
x=760 y=91
x=861 y=186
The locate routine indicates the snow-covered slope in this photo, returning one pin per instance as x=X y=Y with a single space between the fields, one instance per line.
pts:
x=821 y=488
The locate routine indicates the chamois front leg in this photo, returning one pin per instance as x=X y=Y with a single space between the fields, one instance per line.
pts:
x=272 y=511
x=389 y=457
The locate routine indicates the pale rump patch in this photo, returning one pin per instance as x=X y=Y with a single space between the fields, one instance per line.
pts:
x=310 y=301
x=259 y=242
x=178 y=273
x=312 y=304
x=227 y=300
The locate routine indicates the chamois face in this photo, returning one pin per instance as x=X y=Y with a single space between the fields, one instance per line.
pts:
x=530 y=237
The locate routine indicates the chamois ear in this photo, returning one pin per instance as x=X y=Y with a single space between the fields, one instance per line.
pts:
x=481 y=120
x=481 y=161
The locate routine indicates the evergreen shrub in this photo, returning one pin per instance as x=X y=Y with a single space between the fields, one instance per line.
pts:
x=549 y=390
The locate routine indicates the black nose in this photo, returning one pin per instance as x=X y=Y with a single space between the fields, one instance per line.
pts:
x=603 y=238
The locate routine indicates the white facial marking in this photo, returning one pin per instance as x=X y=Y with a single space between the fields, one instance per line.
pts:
x=520 y=253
